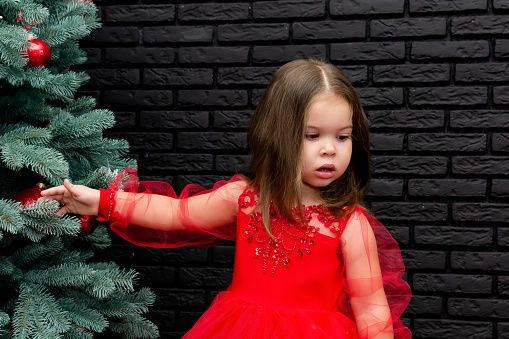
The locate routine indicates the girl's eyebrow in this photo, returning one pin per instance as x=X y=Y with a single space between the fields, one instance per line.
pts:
x=340 y=129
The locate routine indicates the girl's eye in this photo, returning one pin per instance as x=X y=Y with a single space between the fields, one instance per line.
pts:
x=311 y=135
x=343 y=137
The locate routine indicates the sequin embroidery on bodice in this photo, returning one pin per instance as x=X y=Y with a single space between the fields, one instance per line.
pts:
x=291 y=239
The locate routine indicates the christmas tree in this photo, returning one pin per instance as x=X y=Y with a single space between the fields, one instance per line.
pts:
x=50 y=286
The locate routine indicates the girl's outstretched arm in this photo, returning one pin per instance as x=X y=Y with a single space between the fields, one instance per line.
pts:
x=364 y=280
x=159 y=212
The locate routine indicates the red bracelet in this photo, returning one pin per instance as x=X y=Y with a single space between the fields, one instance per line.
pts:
x=106 y=205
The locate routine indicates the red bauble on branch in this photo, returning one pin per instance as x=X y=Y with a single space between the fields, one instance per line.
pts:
x=38 y=53
x=88 y=224
x=30 y=195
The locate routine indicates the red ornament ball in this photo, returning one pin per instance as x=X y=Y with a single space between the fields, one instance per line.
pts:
x=88 y=224
x=38 y=53
x=30 y=195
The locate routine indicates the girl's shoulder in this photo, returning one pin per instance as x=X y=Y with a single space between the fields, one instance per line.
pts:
x=233 y=189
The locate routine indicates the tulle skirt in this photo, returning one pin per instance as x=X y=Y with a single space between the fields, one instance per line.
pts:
x=231 y=317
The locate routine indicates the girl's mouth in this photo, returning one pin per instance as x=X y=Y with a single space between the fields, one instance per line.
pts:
x=325 y=171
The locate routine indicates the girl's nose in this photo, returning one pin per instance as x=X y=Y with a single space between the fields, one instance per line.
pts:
x=328 y=149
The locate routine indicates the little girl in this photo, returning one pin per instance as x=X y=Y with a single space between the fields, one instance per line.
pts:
x=309 y=262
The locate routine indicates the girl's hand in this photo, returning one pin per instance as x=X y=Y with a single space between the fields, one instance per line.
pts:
x=76 y=199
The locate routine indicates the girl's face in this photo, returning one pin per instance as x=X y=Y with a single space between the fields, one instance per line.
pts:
x=327 y=147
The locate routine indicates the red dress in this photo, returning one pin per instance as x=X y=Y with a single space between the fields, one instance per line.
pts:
x=293 y=287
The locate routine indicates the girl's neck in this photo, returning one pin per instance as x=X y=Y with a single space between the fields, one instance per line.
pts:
x=310 y=195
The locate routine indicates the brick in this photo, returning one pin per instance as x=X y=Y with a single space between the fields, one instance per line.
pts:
x=224 y=255
x=385 y=187
x=500 y=188
x=328 y=30
x=480 y=25
x=289 y=9
x=197 y=277
x=156 y=276
x=483 y=261
x=245 y=75
x=188 y=319
x=125 y=120
x=207 y=181
x=486 y=165
x=235 y=163
x=174 y=119
x=352 y=7
x=447 y=187
x=434 y=50
x=178 y=76
x=93 y=56
x=179 y=298
x=256 y=94
x=367 y=51
x=424 y=304
x=489 y=72
x=484 y=212
x=427 y=6
x=177 y=162
x=113 y=77
x=138 y=55
x=113 y=35
x=213 y=12
x=503 y=328
x=501 y=95
x=479 y=119
x=500 y=4
x=179 y=256
x=284 y=53
x=356 y=74
x=221 y=98
x=501 y=48
x=411 y=73
x=182 y=34
x=452 y=283
x=160 y=318
x=139 y=13
x=410 y=211
x=445 y=142
x=400 y=234
x=212 y=141
x=479 y=308
x=371 y=96
x=453 y=236
x=415 y=165
x=213 y=55
x=138 y=97
x=138 y=140
x=503 y=236
x=406 y=119
x=424 y=259
x=408 y=27
x=162 y=178
x=461 y=96
x=232 y=119
x=503 y=285
x=386 y=141
x=452 y=329
x=500 y=142
x=253 y=32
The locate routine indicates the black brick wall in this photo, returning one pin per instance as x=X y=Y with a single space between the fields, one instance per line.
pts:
x=184 y=78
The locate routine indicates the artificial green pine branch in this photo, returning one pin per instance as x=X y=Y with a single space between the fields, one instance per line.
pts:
x=50 y=287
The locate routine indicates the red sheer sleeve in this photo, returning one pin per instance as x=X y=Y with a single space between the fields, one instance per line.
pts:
x=376 y=295
x=149 y=213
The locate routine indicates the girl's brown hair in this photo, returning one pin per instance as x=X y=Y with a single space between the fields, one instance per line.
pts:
x=276 y=133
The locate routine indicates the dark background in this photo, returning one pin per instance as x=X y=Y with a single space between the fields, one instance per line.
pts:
x=184 y=78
